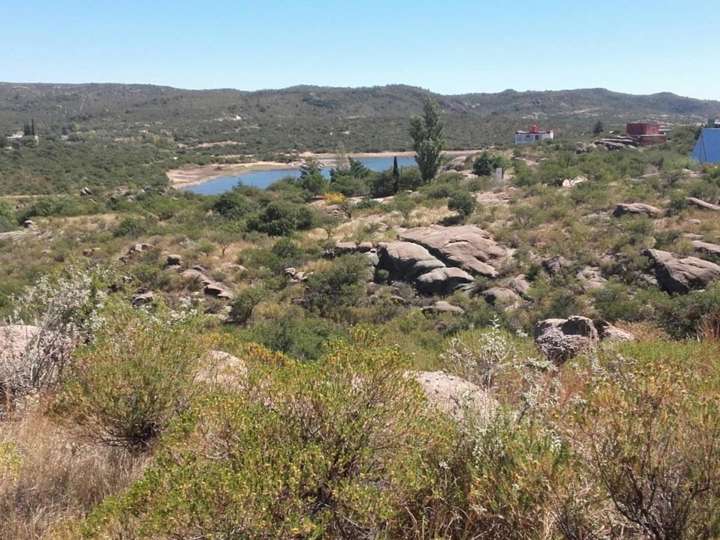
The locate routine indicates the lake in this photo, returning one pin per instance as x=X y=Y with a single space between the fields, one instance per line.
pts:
x=262 y=179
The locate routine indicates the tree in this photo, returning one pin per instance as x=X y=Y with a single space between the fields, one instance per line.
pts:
x=598 y=128
x=428 y=140
x=462 y=202
x=484 y=165
x=396 y=175
x=311 y=178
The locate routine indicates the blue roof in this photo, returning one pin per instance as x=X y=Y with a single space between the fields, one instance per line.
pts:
x=707 y=148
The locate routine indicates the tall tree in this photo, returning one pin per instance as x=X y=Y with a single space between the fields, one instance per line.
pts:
x=428 y=140
x=396 y=175
x=598 y=128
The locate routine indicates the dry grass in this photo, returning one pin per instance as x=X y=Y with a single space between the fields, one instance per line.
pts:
x=48 y=478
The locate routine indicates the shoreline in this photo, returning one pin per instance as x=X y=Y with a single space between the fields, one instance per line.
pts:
x=199 y=174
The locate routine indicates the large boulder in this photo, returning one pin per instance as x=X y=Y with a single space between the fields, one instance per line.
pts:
x=681 y=275
x=706 y=248
x=636 y=209
x=406 y=261
x=442 y=280
x=455 y=396
x=502 y=297
x=441 y=306
x=465 y=246
x=703 y=204
x=562 y=339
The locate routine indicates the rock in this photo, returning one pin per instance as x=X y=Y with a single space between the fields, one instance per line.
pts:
x=520 y=285
x=406 y=260
x=562 y=339
x=218 y=290
x=196 y=275
x=676 y=275
x=591 y=278
x=86 y=191
x=295 y=275
x=572 y=182
x=637 y=209
x=703 y=204
x=222 y=369
x=555 y=265
x=443 y=280
x=28 y=223
x=89 y=252
x=364 y=247
x=444 y=307
x=502 y=297
x=173 y=260
x=134 y=250
x=706 y=248
x=465 y=246
x=143 y=299
x=455 y=396
x=372 y=257
x=608 y=332
x=342 y=248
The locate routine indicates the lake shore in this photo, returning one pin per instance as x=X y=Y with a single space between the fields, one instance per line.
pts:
x=198 y=174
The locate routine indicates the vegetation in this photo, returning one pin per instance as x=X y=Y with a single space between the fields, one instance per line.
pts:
x=428 y=140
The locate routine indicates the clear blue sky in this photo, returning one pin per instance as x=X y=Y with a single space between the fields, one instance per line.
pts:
x=450 y=46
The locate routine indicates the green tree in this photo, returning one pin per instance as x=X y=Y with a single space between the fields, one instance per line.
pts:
x=462 y=202
x=428 y=140
x=598 y=128
x=311 y=178
x=396 y=175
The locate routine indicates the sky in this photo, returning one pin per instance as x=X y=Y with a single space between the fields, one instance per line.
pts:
x=449 y=46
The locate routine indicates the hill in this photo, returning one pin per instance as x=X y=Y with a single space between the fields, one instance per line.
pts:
x=322 y=118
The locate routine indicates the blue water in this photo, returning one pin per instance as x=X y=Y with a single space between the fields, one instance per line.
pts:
x=262 y=179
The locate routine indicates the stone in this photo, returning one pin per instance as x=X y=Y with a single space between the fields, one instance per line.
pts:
x=442 y=306
x=345 y=247
x=143 y=299
x=520 y=285
x=572 y=182
x=406 y=260
x=465 y=246
x=222 y=369
x=555 y=265
x=192 y=274
x=562 y=339
x=703 y=204
x=217 y=290
x=591 y=278
x=681 y=275
x=454 y=396
x=636 y=209
x=443 y=280
x=502 y=297
x=706 y=248
x=364 y=247
x=608 y=332
x=173 y=260
x=28 y=223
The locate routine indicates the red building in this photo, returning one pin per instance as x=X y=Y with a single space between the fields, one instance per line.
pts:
x=646 y=133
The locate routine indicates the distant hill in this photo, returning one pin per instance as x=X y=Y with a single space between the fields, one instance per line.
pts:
x=321 y=118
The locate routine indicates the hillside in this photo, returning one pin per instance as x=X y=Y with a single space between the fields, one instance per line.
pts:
x=320 y=118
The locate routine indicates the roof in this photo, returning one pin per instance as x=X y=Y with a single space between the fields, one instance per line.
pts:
x=707 y=148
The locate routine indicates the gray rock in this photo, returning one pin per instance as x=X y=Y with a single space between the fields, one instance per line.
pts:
x=143 y=299
x=681 y=275
x=406 y=260
x=502 y=297
x=218 y=290
x=28 y=223
x=591 y=278
x=555 y=265
x=562 y=339
x=442 y=306
x=342 y=248
x=637 y=209
x=174 y=260
x=443 y=280
x=465 y=246
x=706 y=248
x=703 y=204
x=520 y=285
x=608 y=332
x=454 y=396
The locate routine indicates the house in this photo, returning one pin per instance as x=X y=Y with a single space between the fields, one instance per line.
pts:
x=533 y=136
x=707 y=148
x=646 y=133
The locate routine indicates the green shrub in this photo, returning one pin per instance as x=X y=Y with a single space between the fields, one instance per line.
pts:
x=337 y=449
x=244 y=303
x=692 y=315
x=234 y=205
x=130 y=226
x=136 y=376
x=463 y=203
x=281 y=218
x=332 y=291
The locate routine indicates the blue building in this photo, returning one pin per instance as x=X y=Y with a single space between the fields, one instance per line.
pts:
x=707 y=148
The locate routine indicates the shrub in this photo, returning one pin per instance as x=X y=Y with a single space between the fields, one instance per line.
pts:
x=281 y=218
x=130 y=226
x=686 y=316
x=335 y=449
x=463 y=203
x=485 y=164
x=133 y=379
x=332 y=291
x=234 y=205
x=8 y=220
x=244 y=303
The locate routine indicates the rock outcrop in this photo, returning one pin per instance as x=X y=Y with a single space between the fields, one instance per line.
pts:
x=681 y=275
x=442 y=280
x=406 y=261
x=442 y=306
x=706 y=248
x=464 y=246
x=502 y=297
x=636 y=209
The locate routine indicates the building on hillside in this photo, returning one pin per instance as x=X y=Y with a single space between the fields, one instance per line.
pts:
x=647 y=133
x=533 y=136
x=707 y=147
